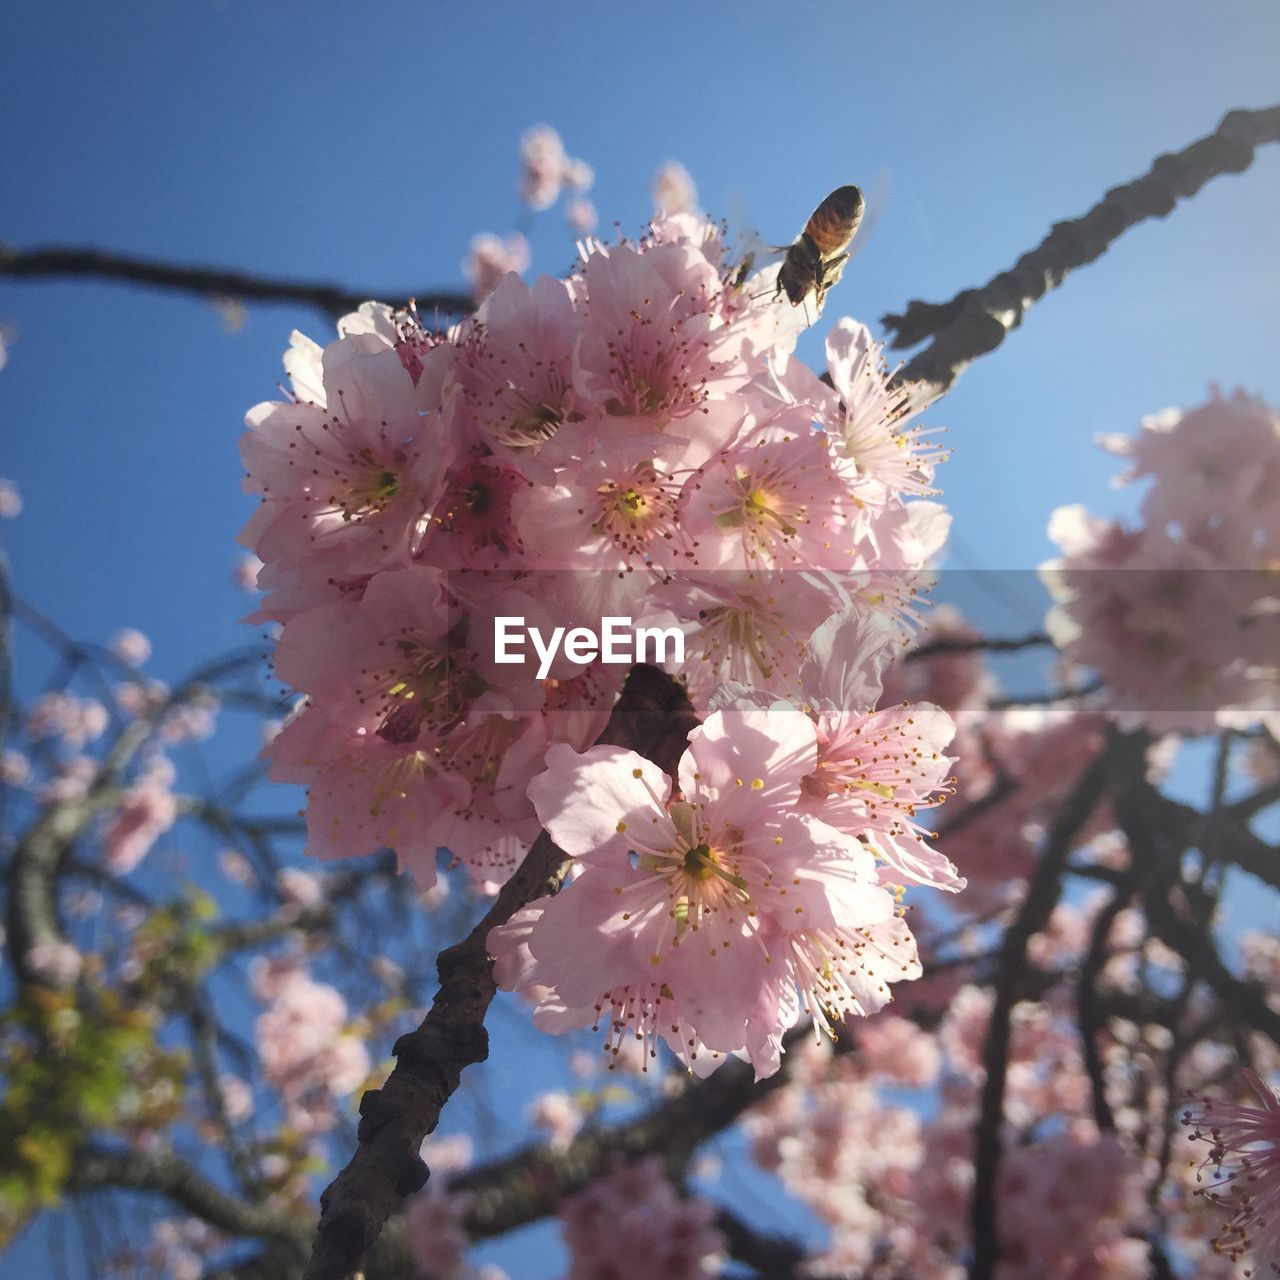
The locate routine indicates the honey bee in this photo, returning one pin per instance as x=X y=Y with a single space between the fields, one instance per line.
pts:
x=816 y=259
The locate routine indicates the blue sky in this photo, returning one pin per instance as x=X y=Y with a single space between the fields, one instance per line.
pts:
x=369 y=143
x=309 y=140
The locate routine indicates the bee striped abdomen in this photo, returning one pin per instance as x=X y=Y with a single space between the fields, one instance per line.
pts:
x=834 y=222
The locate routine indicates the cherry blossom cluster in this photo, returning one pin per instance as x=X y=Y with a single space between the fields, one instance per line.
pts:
x=546 y=172
x=310 y=1057
x=892 y=1180
x=762 y=883
x=1179 y=616
x=635 y=441
x=59 y=759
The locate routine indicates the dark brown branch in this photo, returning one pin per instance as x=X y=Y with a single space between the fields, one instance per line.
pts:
x=977 y=320
x=1245 y=809
x=979 y=644
x=1088 y=1008
x=1064 y=697
x=1159 y=832
x=652 y=716
x=771 y=1257
x=1043 y=891
x=1225 y=840
x=531 y=1183
x=209 y=282
x=1245 y=1002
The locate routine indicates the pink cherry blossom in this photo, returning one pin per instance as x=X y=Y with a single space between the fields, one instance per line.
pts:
x=772 y=501
x=634 y=441
x=1244 y=1150
x=492 y=259
x=15 y=769
x=704 y=911
x=558 y=1116
x=10 y=496
x=300 y=888
x=752 y=627
x=865 y=426
x=1213 y=466
x=1178 y=616
x=582 y=216
x=434 y=1235
x=58 y=962
x=307 y=1053
x=145 y=812
x=73 y=720
x=674 y=190
x=547 y=168
x=347 y=480
x=451 y=1154
x=131 y=647
x=654 y=344
x=875 y=769
x=514 y=368
x=898 y=1050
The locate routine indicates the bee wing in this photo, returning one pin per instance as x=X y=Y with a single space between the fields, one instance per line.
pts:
x=877 y=197
x=758 y=262
x=747 y=239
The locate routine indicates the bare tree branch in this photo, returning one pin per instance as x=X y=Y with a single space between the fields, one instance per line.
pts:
x=976 y=321
x=169 y=1175
x=86 y=263
x=771 y=1257
x=531 y=1182
x=980 y=644
x=1088 y=1007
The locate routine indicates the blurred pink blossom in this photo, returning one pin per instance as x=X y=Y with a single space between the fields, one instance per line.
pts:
x=491 y=258
x=146 y=810
x=631 y=1225
x=673 y=189
x=546 y=168
x=131 y=647
x=558 y=1116
x=62 y=714
x=58 y=962
x=10 y=498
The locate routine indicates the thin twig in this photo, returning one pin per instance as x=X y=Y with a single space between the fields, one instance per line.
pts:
x=977 y=644
x=164 y=1173
x=88 y=263
x=1088 y=1008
